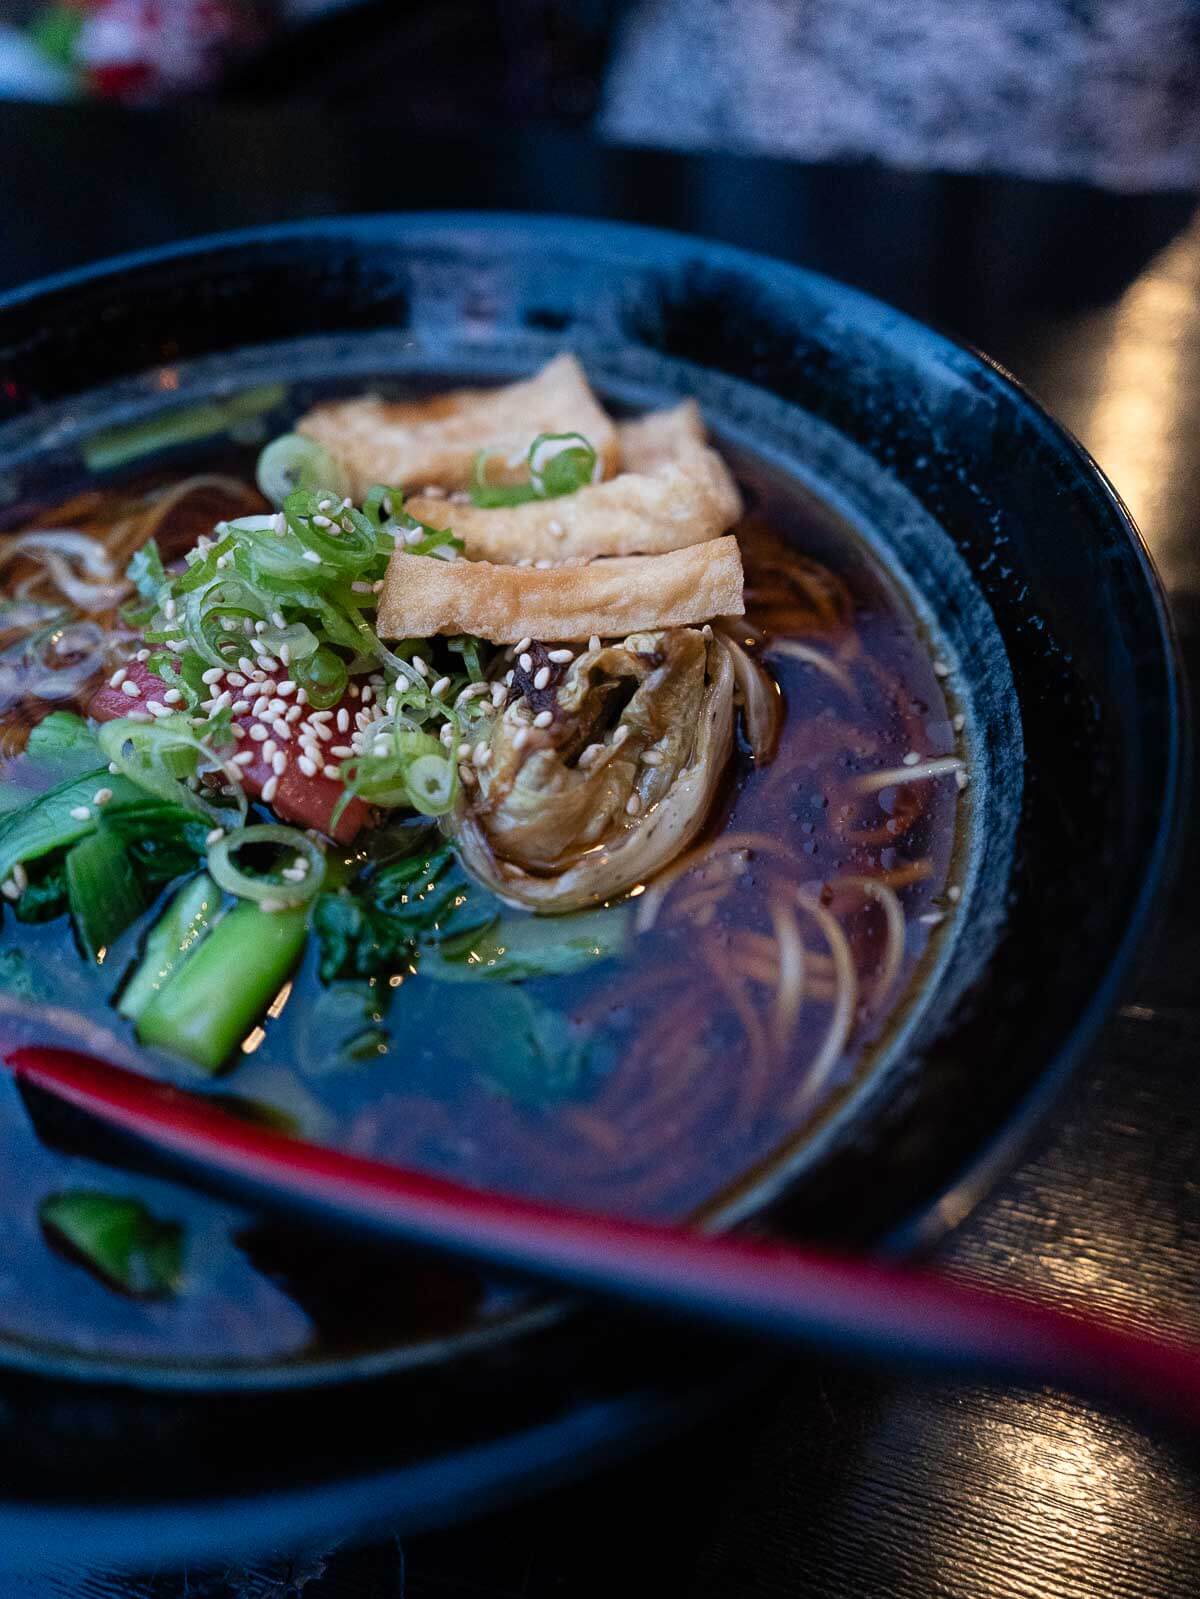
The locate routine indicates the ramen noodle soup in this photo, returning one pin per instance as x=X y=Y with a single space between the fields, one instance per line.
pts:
x=481 y=782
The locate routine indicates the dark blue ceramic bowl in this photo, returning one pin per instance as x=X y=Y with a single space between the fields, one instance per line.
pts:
x=1022 y=563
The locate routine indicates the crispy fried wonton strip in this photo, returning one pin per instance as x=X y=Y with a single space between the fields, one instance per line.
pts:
x=611 y=598
x=675 y=492
x=415 y=442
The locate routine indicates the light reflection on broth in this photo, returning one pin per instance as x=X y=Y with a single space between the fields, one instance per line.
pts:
x=760 y=967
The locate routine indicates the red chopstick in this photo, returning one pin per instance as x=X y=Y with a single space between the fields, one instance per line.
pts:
x=854 y=1306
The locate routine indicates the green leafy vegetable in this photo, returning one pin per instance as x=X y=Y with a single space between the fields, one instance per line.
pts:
x=517 y=947
x=45 y=894
x=103 y=891
x=118 y=1239
x=53 y=820
x=186 y=920
x=391 y=912
x=146 y=571
x=155 y=755
x=60 y=747
x=223 y=986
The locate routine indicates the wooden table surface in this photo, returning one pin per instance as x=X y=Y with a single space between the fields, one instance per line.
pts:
x=833 y=1483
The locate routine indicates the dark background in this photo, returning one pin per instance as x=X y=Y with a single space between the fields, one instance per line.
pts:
x=829 y=1482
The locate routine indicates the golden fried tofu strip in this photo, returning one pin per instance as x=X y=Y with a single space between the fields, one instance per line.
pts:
x=611 y=598
x=434 y=441
x=674 y=491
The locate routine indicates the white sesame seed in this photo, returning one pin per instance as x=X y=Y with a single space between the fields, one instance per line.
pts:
x=157 y=708
x=541 y=677
x=285 y=688
x=260 y=627
x=268 y=663
x=421 y=664
x=361 y=588
x=282 y=730
x=481 y=754
x=381 y=746
x=258 y=733
x=245 y=664
x=169 y=610
x=9 y=889
x=142 y=655
x=269 y=749
x=940 y=669
x=80 y=813
x=633 y=804
x=213 y=675
x=293 y=874
x=954 y=893
x=959 y=722
x=279 y=763
x=961 y=779
x=320 y=716
x=525 y=661
x=543 y=719
x=301 y=696
x=240 y=707
x=307 y=765
x=247 y=629
x=520 y=738
x=343 y=720
x=377 y=586
x=521 y=644
x=20 y=876
x=102 y=796
x=652 y=758
x=269 y=788
x=413 y=535
x=561 y=657
x=932 y=918
x=499 y=694
x=467 y=776
x=323 y=733
x=238 y=730
x=118 y=677
x=620 y=736
x=113 y=768
x=276 y=707
x=215 y=836
x=131 y=689
x=271 y=905
x=555 y=529
x=245 y=758
x=312 y=557
x=294 y=713
x=911 y=759
x=331 y=771
x=594 y=643
x=285 y=655
x=508 y=679
x=342 y=751
x=321 y=521
x=543 y=566
x=140 y=716
x=440 y=687
x=706 y=631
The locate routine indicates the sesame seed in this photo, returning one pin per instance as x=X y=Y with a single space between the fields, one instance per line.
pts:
x=268 y=663
x=343 y=720
x=499 y=694
x=80 y=813
x=464 y=750
x=520 y=738
x=271 y=905
x=959 y=722
x=260 y=705
x=525 y=661
x=911 y=759
x=543 y=719
x=541 y=677
x=285 y=655
x=561 y=657
x=248 y=629
x=245 y=664
x=240 y=707
x=294 y=714
x=113 y=768
x=282 y=730
x=293 y=874
x=331 y=771
x=169 y=610
x=594 y=643
x=234 y=678
x=432 y=491
x=213 y=675
x=322 y=521
x=9 y=889
x=157 y=708
x=555 y=529
x=140 y=716
x=521 y=644
x=269 y=749
x=361 y=588
x=706 y=631
x=172 y=697
x=301 y=696
x=320 y=716
x=481 y=754
x=508 y=678
x=215 y=836
x=323 y=733
x=961 y=778
x=932 y=918
x=440 y=687
x=276 y=707
x=652 y=758
x=940 y=669
x=312 y=557
x=307 y=765
x=260 y=627
x=269 y=788
x=285 y=688
x=620 y=736
x=342 y=751
x=381 y=746
x=118 y=677
x=633 y=804
x=279 y=763
x=244 y=758
x=20 y=876
x=413 y=535
x=954 y=893
x=467 y=776
x=421 y=664
x=258 y=733
x=102 y=796
x=131 y=689
x=142 y=655
x=238 y=730
x=543 y=566
x=278 y=619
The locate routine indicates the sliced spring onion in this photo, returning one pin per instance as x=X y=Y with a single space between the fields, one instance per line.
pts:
x=223 y=865
x=417 y=770
x=170 y=941
x=156 y=755
x=561 y=463
x=118 y=1239
x=323 y=677
x=292 y=462
x=117 y=445
x=102 y=890
x=432 y=784
x=224 y=987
